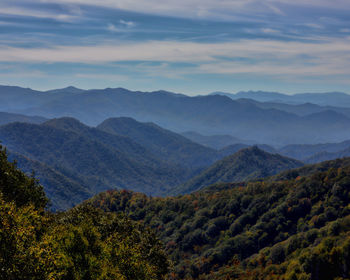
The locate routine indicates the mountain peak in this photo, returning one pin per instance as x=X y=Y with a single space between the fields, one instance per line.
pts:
x=247 y=164
x=69 y=89
x=66 y=123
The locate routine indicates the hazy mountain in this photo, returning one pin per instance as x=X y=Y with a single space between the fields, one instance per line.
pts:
x=337 y=99
x=69 y=89
x=103 y=160
x=323 y=156
x=165 y=144
x=297 y=109
x=261 y=96
x=247 y=164
x=232 y=149
x=207 y=115
x=229 y=150
x=303 y=152
x=213 y=141
x=6 y=118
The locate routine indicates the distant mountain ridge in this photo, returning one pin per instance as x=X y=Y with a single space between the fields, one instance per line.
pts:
x=207 y=115
x=338 y=99
x=213 y=141
x=6 y=118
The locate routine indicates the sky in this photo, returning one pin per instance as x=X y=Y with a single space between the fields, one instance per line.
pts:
x=188 y=46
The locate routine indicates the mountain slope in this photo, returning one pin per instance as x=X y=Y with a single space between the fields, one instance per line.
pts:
x=82 y=243
x=119 y=163
x=6 y=118
x=65 y=189
x=247 y=164
x=167 y=145
x=297 y=228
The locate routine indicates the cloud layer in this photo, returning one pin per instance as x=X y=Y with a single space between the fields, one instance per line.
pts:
x=246 y=56
x=170 y=41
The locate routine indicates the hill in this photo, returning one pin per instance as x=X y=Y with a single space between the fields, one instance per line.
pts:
x=207 y=115
x=69 y=89
x=6 y=118
x=83 y=243
x=100 y=160
x=295 y=228
x=65 y=188
x=165 y=144
x=245 y=165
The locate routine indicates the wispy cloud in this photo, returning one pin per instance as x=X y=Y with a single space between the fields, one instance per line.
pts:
x=209 y=8
x=113 y=28
x=152 y=38
x=270 y=57
x=124 y=26
x=35 y=13
x=127 y=23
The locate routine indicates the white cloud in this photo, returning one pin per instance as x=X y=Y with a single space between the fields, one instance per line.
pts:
x=313 y=25
x=224 y=9
x=127 y=23
x=20 y=11
x=270 y=31
x=113 y=28
x=261 y=56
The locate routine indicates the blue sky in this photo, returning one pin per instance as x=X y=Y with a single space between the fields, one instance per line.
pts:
x=188 y=46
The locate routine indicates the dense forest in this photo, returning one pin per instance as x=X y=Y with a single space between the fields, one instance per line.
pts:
x=245 y=165
x=294 y=225
x=82 y=243
x=291 y=226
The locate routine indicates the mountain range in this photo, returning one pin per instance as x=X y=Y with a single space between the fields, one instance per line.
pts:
x=86 y=157
x=207 y=115
x=74 y=161
x=336 y=99
x=71 y=158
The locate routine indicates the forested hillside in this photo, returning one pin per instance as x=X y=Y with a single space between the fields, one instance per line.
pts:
x=83 y=243
x=165 y=144
x=296 y=228
x=94 y=159
x=245 y=165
